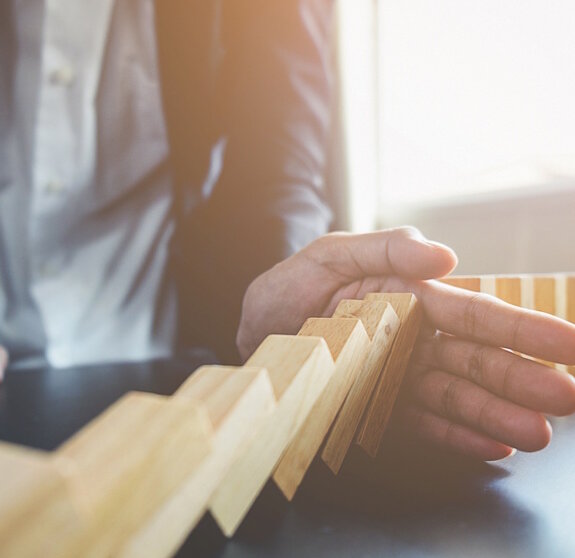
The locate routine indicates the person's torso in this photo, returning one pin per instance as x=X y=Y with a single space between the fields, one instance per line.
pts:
x=85 y=203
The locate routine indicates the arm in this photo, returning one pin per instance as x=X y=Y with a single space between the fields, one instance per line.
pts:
x=464 y=390
x=273 y=104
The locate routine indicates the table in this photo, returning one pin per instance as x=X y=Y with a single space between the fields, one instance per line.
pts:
x=411 y=502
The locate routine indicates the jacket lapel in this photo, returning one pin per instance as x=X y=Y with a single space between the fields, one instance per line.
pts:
x=188 y=37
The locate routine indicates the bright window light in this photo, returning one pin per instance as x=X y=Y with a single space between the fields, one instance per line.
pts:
x=476 y=97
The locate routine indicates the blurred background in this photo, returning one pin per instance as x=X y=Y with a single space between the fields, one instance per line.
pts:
x=458 y=117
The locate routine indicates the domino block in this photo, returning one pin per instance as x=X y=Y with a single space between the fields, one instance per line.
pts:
x=37 y=509
x=570 y=295
x=381 y=323
x=299 y=369
x=348 y=342
x=544 y=294
x=508 y=289
x=129 y=460
x=237 y=401
x=381 y=404
x=471 y=283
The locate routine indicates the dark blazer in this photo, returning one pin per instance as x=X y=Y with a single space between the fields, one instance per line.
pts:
x=246 y=98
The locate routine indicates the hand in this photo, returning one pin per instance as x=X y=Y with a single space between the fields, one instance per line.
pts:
x=462 y=391
x=3 y=361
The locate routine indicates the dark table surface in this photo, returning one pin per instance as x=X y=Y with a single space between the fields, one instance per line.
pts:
x=410 y=502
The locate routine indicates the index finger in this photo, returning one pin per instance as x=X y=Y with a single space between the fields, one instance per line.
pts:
x=484 y=318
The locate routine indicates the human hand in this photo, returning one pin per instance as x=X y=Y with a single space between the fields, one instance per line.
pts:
x=462 y=391
x=3 y=361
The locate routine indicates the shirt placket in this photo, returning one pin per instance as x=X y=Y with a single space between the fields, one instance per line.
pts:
x=64 y=155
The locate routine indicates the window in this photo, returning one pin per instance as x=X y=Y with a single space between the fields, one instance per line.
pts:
x=458 y=117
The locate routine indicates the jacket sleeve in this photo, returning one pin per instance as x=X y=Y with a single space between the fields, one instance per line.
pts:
x=272 y=116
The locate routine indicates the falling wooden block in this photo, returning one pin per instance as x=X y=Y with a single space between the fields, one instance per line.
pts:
x=348 y=343
x=237 y=401
x=381 y=404
x=381 y=323
x=299 y=369
x=129 y=460
x=37 y=509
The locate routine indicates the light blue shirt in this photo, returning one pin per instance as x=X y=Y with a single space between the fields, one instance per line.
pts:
x=85 y=192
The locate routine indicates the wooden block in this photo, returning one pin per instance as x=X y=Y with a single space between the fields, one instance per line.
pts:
x=382 y=324
x=381 y=404
x=299 y=368
x=544 y=294
x=527 y=292
x=488 y=284
x=471 y=283
x=237 y=401
x=129 y=461
x=570 y=287
x=37 y=510
x=348 y=343
x=508 y=289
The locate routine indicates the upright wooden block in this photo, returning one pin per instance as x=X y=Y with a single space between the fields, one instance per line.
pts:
x=381 y=404
x=508 y=288
x=129 y=461
x=469 y=282
x=348 y=342
x=527 y=292
x=237 y=401
x=544 y=294
x=37 y=510
x=570 y=288
x=299 y=368
x=381 y=323
x=488 y=284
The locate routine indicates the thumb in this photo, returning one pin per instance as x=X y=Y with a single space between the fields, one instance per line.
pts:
x=402 y=251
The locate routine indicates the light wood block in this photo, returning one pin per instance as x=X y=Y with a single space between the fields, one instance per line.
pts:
x=544 y=294
x=129 y=461
x=237 y=401
x=570 y=298
x=488 y=284
x=348 y=342
x=37 y=509
x=508 y=289
x=299 y=369
x=471 y=283
x=381 y=404
x=381 y=323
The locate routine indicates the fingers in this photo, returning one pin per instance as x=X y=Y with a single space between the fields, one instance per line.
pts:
x=3 y=362
x=488 y=320
x=402 y=251
x=501 y=372
x=455 y=437
x=467 y=404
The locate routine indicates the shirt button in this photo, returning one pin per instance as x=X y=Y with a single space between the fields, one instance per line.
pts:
x=54 y=187
x=64 y=75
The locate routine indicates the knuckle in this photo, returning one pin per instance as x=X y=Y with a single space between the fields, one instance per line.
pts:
x=474 y=313
x=476 y=365
x=450 y=398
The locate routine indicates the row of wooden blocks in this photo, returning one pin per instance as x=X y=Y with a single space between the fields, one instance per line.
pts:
x=550 y=293
x=136 y=480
